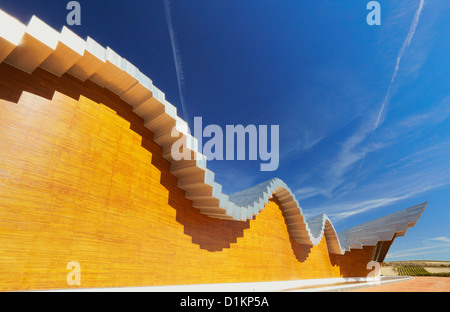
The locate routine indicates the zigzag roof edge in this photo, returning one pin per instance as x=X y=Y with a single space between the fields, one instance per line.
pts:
x=38 y=45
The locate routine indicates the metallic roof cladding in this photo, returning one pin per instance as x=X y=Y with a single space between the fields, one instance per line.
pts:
x=28 y=47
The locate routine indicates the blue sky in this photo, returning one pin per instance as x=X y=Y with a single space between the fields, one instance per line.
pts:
x=364 y=111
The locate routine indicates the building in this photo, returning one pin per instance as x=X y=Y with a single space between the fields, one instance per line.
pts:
x=86 y=175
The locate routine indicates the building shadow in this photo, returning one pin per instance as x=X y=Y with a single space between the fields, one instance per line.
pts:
x=301 y=251
x=210 y=234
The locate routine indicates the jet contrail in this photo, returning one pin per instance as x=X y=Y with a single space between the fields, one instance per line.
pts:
x=405 y=44
x=176 y=56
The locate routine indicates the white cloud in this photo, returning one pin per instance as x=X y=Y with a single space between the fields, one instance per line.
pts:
x=441 y=239
x=300 y=143
x=400 y=54
x=355 y=208
x=176 y=56
x=344 y=166
x=432 y=245
x=389 y=189
x=409 y=253
x=436 y=115
x=308 y=192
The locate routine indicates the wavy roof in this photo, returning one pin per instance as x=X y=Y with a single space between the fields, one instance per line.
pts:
x=28 y=47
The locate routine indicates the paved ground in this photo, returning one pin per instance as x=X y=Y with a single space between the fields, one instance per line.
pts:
x=417 y=284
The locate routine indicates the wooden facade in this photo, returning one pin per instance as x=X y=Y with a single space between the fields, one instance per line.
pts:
x=81 y=179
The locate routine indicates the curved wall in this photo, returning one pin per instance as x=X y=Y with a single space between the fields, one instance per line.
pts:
x=87 y=175
x=82 y=180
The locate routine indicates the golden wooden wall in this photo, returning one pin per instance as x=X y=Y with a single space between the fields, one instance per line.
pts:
x=82 y=180
x=353 y=263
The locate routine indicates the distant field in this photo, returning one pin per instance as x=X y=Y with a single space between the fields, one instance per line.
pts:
x=416 y=268
x=420 y=263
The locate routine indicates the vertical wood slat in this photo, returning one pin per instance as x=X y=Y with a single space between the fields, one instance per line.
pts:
x=82 y=180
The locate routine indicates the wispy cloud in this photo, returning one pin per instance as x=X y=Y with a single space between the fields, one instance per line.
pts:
x=421 y=155
x=357 y=146
x=348 y=155
x=389 y=189
x=430 y=246
x=351 y=152
x=301 y=143
x=441 y=239
x=226 y=175
x=418 y=252
x=176 y=56
x=308 y=192
x=406 y=43
x=348 y=197
x=436 y=115
x=356 y=208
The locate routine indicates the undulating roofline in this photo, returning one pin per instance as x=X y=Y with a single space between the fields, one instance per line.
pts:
x=28 y=47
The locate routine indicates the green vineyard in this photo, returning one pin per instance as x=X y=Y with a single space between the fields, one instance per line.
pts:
x=412 y=271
